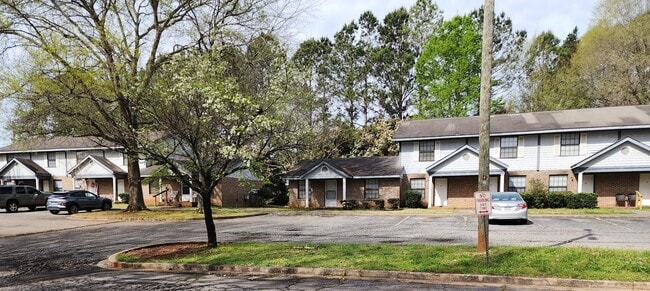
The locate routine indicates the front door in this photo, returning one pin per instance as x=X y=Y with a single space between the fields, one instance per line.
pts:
x=644 y=188
x=330 y=193
x=440 y=188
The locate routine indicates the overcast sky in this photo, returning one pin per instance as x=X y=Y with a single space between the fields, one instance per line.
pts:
x=534 y=16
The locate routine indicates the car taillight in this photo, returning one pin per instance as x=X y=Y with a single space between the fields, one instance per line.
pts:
x=522 y=205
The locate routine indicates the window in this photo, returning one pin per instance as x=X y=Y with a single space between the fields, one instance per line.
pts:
x=418 y=186
x=81 y=156
x=570 y=144
x=51 y=160
x=154 y=186
x=517 y=184
x=509 y=147
x=58 y=185
x=372 y=189
x=557 y=183
x=301 y=189
x=427 y=149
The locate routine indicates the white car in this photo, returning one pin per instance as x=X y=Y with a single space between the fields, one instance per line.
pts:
x=509 y=206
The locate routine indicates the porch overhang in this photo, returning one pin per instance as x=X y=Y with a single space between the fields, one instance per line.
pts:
x=23 y=169
x=94 y=167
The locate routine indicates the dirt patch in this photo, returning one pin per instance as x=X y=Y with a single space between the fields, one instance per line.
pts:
x=168 y=250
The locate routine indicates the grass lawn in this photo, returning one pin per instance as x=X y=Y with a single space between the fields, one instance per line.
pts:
x=559 y=262
x=172 y=214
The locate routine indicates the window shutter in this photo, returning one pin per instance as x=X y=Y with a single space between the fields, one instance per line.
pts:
x=556 y=146
x=583 y=143
x=520 y=147
x=496 y=147
x=436 y=151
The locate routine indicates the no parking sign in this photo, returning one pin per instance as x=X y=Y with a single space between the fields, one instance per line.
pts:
x=483 y=202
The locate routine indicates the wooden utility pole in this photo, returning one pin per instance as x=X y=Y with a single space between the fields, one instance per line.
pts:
x=484 y=118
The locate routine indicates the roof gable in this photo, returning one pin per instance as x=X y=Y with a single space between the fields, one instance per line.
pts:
x=96 y=167
x=528 y=123
x=627 y=154
x=362 y=167
x=19 y=168
x=463 y=162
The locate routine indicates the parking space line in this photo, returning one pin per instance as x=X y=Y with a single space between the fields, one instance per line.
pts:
x=614 y=224
x=400 y=222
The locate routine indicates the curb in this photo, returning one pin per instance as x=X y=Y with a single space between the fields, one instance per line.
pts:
x=416 y=277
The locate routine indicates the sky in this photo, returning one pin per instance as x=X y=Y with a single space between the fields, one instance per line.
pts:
x=534 y=16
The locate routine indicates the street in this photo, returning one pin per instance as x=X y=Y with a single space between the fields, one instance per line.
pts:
x=68 y=258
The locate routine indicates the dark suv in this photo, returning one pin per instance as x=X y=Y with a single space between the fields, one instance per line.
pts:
x=75 y=200
x=13 y=197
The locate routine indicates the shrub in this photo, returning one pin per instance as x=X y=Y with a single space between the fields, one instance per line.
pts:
x=365 y=204
x=536 y=196
x=394 y=203
x=379 y=204
x=413 y=199
x=582 y=200
x=124 y=197
x=558 y=199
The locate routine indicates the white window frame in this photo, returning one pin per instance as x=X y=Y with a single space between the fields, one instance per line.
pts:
x=371 y=190
x=558 y=183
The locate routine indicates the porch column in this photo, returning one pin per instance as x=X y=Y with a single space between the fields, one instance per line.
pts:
x=429 y=191
x=345 y=189
x=580 y=182
x=38 y=185
x=114 y=188
x=306 y=193
x=502 y=181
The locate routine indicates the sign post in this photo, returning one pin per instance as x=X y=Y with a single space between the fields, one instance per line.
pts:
x=483 y=208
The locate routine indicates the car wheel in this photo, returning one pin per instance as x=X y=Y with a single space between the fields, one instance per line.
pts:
x=32 y=208
x=12 y=206
x=54 y=211
x=106 y=206
x=72 y=209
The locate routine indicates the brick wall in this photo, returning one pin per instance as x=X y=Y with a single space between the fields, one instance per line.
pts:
x=608 y=185
x=460 y=191
x=231 y=192
x=388 y=188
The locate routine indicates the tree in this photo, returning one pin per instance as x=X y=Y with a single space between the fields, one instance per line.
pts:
x=211 y=127
x=89 y=64
x=448 y=74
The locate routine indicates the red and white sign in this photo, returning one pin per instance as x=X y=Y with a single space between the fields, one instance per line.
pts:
x=483 y=202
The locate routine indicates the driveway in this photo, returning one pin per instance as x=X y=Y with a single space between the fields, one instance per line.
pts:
x=41 y=220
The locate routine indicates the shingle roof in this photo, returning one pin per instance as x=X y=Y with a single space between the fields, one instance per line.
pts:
x=533 y=122
x=55 y=143
x=31 y=165
x=355 y=167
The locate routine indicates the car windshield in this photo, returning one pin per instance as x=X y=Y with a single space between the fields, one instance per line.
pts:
x=505 y=197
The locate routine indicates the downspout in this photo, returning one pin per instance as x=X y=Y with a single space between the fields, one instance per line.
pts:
x=539 y=151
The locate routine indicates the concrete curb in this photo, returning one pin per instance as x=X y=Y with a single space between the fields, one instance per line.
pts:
x=419 y=277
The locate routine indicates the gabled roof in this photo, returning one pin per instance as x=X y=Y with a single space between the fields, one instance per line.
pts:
x=103 y=162
x=633 y=163
x=56 y=143
x=27 y=163
x=590 y=119
x=363 y=167
x=447 y=167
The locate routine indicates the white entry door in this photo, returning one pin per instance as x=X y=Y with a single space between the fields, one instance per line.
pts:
x=644 y=188
x=440 y=188
x=494 y=184
x=588 y=183
x=330 y=193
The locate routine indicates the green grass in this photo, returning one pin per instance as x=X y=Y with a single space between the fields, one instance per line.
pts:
x=559 y=262
x=172 y=214
x=595 y=211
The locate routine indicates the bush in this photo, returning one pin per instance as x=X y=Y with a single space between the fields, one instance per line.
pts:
x=379 y=204
x=124 y=197
x=582 y=200
x=394 y=203
x=536 y=196
x=413 y=199
x=558 y=199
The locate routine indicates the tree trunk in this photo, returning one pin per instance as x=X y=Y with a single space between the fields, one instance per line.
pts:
x=209 y=222
x=136 y=197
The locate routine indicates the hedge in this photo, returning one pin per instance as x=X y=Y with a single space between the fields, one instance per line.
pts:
x=560 y=200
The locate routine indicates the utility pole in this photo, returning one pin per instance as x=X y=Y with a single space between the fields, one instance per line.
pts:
x=484 y=119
